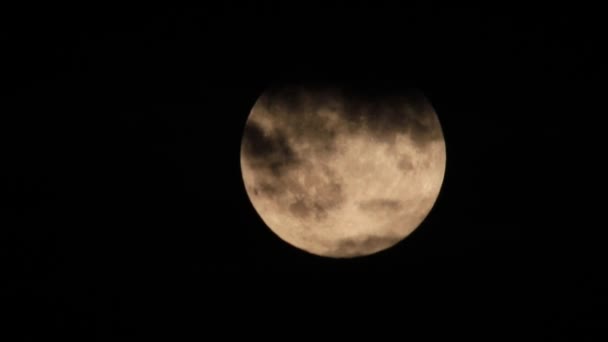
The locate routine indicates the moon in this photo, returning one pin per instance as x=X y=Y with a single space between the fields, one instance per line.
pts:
x=342 y=172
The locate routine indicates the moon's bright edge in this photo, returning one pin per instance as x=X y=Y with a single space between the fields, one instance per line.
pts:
x=341 y=174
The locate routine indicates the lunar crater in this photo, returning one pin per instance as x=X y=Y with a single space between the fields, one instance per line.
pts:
x=405 y=164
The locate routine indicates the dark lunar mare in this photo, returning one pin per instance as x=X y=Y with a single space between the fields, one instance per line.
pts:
x=267 y=151
x=271 y=155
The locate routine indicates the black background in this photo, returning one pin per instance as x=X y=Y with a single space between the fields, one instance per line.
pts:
x=123 y=199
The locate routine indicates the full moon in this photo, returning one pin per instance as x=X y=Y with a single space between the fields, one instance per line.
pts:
x=342 y=172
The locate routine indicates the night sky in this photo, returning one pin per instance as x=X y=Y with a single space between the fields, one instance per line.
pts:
x=122 y=193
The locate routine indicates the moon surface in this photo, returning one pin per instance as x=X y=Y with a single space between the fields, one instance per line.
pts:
x=342 y=172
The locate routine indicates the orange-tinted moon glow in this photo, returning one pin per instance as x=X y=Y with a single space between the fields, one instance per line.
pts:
x=341 y=174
